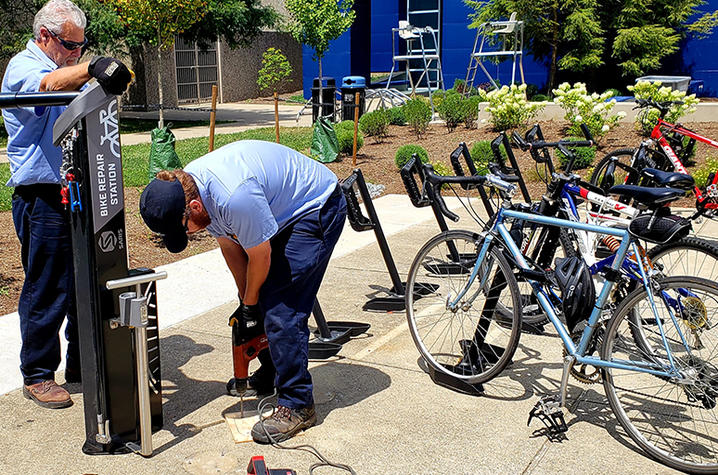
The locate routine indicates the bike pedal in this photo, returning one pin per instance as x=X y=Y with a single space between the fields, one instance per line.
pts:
x=548 y=410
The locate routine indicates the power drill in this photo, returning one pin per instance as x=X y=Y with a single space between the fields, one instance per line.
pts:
x=248 y=339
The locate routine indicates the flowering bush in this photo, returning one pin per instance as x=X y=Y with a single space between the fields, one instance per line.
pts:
x=646 y=119
x=594 y=110
x=509 y=107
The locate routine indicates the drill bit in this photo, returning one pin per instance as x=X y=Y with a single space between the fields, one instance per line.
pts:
x=241 y=406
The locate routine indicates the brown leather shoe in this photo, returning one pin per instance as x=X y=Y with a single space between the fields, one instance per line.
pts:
x=283 y=424
x=47 y=394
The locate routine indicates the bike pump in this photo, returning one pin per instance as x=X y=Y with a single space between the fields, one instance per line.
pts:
x=116 y=307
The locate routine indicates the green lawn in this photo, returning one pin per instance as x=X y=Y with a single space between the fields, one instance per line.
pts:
x=135 y=158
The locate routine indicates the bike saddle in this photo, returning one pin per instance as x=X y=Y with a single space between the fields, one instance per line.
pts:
x=671 y=179
x=650 y=197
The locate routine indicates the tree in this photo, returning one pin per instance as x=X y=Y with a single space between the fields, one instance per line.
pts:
x=317 y=22
x=566 y=34
x=275 y=71
x=624 y=38
x=159 y=22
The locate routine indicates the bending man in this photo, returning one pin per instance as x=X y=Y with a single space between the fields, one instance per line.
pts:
x=277 y=215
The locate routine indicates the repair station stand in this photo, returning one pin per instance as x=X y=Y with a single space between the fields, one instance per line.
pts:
x=116 y=307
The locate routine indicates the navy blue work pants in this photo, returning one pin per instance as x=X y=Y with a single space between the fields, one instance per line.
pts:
x=300 y=254
x=43 y=227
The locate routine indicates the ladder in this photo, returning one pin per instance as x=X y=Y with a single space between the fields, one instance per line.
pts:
x=509 y=35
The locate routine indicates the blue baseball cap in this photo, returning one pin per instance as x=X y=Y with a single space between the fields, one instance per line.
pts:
x=162 y=206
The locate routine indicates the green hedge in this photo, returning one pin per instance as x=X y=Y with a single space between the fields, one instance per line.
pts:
x=404 y=153
x=345 y=136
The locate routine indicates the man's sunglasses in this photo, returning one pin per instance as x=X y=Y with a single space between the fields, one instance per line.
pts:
x=68 y=45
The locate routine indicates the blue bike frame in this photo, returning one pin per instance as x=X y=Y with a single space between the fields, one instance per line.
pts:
x=579 y=352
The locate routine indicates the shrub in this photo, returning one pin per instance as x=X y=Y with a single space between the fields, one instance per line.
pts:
x=612 y=92
x=418 y=115
x=404 y=153
x=396 y=116
x=459 y=86
x=584 y=155
x=646 y=118
x=470 y=110
x=436 y=97
x=539 y=98
x=531 y=90
x=590 y=109
x=375 y=124
x=450 y=109
x=345 y=136
x=482 y=154
x=509 y=108
x=700 y=175
x=442 y=169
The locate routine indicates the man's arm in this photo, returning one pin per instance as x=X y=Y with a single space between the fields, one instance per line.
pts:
x=236 y=260
x=259 y=259
x=69 y=78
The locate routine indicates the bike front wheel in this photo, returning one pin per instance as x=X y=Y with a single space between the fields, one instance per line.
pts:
x=464 y=326
x=673 y=419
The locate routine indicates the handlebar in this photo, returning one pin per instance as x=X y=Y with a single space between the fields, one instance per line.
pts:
x=433 y=183
x=534 y=143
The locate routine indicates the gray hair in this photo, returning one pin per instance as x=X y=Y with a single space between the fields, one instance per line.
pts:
x=54 y=14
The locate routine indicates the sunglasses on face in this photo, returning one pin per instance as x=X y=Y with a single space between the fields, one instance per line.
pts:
x=68 y=45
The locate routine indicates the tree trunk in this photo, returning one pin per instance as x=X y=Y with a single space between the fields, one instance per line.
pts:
x=276 y=114
x=321 y=90
x=159 y=80
x=554 y=51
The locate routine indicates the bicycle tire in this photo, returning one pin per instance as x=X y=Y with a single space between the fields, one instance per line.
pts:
x=625 y=156
x=473 y=342
x=652 y=421
x=688 y=256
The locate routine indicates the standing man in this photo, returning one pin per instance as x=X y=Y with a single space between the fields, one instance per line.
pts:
x=48 y=63
x=277 y=215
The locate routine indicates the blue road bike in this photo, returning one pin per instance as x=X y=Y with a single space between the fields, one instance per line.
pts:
x=662 y=384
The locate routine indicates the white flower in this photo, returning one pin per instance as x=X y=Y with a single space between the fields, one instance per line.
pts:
x=605 y=128
x=578 y=118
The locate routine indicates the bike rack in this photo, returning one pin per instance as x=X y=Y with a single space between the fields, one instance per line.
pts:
x=359 y=222
x=330 y=336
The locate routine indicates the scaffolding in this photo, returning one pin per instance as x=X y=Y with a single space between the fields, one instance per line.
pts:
x=509 y=36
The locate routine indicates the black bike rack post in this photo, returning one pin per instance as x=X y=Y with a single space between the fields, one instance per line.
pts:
x=117 y=309
x=515 y=170
x=330 y=336
x=359 y=222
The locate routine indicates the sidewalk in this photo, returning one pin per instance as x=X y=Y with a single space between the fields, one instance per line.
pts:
x=378 y=411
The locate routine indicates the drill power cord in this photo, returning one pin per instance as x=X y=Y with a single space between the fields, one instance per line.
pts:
x=263 y=405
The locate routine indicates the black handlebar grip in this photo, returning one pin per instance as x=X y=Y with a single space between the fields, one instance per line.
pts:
x=407 y=173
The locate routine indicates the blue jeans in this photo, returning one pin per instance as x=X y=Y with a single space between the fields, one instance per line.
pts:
x=47 y=297
x=300 y=255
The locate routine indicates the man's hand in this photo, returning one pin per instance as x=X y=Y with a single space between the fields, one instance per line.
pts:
x=248 y=319
x=112 y=75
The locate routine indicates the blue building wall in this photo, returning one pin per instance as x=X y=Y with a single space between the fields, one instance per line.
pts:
x=698 y=59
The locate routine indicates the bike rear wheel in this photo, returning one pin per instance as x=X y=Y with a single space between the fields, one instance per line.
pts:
x=687 y=256
x=475 y=340
x=673 y=420
x=599 y=175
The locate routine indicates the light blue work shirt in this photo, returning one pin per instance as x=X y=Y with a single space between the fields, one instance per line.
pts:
x=33 y=157
x=252 y=189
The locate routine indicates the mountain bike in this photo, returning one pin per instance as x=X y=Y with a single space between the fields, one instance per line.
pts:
x=662 y=151
x=662 y=386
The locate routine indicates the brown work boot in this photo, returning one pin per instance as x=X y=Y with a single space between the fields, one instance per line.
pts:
x=48 y=394
x=283 y=424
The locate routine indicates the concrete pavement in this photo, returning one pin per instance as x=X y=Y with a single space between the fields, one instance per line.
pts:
x=378 y=410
